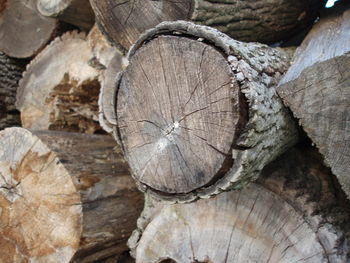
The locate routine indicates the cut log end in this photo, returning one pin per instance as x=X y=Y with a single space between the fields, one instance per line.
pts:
x=187 y=115
x=24 y=37
x=196 y=110
x=131 y=18
x=61 y=93
x=50 y=199
x=251 y=225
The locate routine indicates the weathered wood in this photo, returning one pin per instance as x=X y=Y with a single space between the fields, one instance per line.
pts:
x=316 y=88
x=294 y=214
x=59 y=90
x=102 y=50
x=75 y=12
x=23 y=30
x=10 y=73
x=196 y=118
x=64 y=197
x=262 y=21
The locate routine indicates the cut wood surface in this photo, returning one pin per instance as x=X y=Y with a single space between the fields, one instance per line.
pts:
x=23 y=30
x=102 y=50
x=64 y=197
x=75 y=12
x=316 y=88
x=262 y=21
x=196 y=118
x=294 y=214
x=59 y=90
x=10 y=73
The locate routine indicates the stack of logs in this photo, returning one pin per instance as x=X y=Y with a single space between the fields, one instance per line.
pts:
x=111 y=107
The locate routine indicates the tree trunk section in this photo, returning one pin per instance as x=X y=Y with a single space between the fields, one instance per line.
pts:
x=10 y=73
x=198 y=113
x=59 y=207
x=316 y=88
x=59 y=90
x=75 y=12
x=23 y=30
x=262 y=21
x=294 y=214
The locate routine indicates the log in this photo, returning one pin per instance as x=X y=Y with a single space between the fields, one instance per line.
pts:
x=197 y=113
x=59 y=207
x=262 y=21
x=10 y=73
x=316 y=89
x=23 y=30
x=75 y=12
x=103 y=52
x=294 y=214
x=61 y=92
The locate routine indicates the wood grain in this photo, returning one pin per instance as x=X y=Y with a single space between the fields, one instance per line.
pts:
x=197 y=112
x=59 y=207
x=23 y=30
x=316 y=88
x=294 y=214
x=61 y=92
x=263 y=21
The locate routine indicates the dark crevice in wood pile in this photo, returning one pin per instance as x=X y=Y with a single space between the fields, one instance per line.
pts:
x=10 y=73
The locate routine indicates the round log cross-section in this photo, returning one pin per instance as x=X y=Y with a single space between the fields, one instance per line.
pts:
x=64 y=197
x=188 y=110
x=23 y=30
x=264 y=21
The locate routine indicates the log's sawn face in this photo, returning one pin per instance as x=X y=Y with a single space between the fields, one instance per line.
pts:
x=178 y=111
x=23 y=31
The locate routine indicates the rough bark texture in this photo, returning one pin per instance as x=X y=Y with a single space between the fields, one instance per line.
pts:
x=59 y=90
x=56 y=206
x=10 y=73
x=295 y=213
x=262 y=21
x=23 y=30
x=190 y=129
x=316 y=88
x=75 y=12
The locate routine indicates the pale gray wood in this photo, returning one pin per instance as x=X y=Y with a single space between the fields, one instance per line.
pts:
x=23 y=30
x=59 y=90
x=294 y=214
x=261 y=21
x=183 y=105
x=10 y=73
x=316 y=88
x=75 y=12
x=64 y=197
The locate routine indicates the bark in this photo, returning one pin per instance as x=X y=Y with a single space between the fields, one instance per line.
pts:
x=75 y=12
x=60 y=92
x=59 y=207
x=199 y=116
x=293 y=214
x=10 y=73
x=316 y=88
x=262 y=21
x=23 y=30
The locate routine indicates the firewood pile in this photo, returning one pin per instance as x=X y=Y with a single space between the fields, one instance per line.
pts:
x=183 y=131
